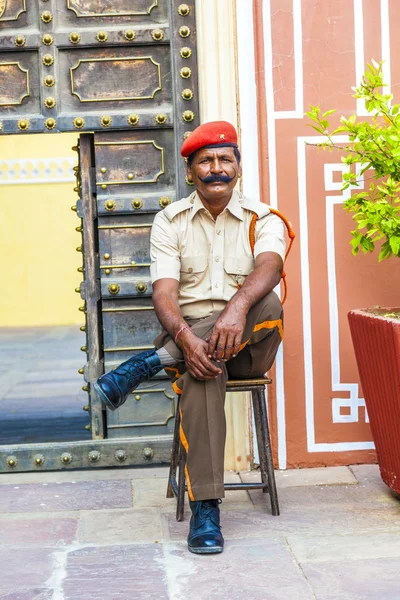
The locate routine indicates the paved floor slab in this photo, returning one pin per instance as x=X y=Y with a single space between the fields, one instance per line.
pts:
x=65 y=496
x=254 y=569
x=116 y=573
x=328 y=548
x=25 y=571
x=355 y=580
x=30 y=531
x=306 y=477
x=120 y=526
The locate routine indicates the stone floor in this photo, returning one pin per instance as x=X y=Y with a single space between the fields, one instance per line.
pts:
x=41 y=397
x=112 y=534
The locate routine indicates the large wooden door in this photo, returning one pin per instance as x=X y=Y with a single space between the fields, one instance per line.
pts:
x=121 y=74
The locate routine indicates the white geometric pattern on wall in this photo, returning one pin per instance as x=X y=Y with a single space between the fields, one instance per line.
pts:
x=37 y=170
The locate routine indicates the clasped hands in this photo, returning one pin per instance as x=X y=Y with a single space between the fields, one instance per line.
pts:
x=202 y=356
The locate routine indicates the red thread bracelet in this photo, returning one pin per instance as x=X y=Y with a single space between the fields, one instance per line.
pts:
x=180 y=331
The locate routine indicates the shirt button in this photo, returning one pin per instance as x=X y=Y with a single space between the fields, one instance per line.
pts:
x=218 y=231
x=217 y=259
x=190 y=270
x=217 y=284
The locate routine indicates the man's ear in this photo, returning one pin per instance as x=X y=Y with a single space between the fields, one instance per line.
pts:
x=189 y=173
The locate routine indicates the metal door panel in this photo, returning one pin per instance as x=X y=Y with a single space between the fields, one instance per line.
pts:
x=96 y=13
x=19 y=83
x=130 y=327
x=104 y=79
x=149 y=410
x=135 y=162
x=16 y=13
x=123 y=243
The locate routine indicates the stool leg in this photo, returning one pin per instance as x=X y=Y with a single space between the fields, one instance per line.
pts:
x=255 y=398
x=273 y=494
x=180 y=505
x=174 y=455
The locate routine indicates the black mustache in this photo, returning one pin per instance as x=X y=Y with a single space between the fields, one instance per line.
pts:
x=214 y=178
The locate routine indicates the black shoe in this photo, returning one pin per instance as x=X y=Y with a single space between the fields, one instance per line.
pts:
x=115 y=386
x=205 y=535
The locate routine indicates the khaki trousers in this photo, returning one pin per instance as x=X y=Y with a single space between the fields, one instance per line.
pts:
x=203 y=426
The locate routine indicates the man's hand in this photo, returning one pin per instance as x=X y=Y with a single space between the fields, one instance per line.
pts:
x=195 y=351
x=227 y=333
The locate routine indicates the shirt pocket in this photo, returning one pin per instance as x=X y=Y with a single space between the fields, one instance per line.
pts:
x=194 y=271
x=236 y=269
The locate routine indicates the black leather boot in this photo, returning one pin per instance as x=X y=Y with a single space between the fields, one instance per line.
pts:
x=115 y=386
x=205 y=535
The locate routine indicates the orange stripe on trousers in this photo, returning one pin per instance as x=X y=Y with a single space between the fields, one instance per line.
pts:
x=185 y=444
x=265 y=325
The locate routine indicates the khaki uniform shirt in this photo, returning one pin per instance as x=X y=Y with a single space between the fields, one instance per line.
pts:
x=210 y=258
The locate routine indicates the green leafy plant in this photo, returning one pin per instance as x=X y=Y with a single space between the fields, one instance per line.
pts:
x=372 y=144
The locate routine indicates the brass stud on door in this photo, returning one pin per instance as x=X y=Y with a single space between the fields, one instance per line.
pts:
x=47 y=39
x=157 y=34
x=107 y=271
x=85 y=388
x=165 y=201
x=49 y=81
x=81 y=371
x=188 y=116
x=78 y=290
x=148 y=453
x=183 y=10
x=133 y=119
x=46 y=16
x=50 y=123
x=66 y=458
x=87 y=427
x=20 y=41
x=74 y=38
x=161 y=118
x=79 y=249
x=107 y=256
x=94 y=455
x=79 y=122
x=74 y=209
x=23 y=124
x=184 y=31
x=130 y=176
x=130 y=35
x=83 y=348
x=120 y=455
x=114 y=288
x=106 y=121
x=185 y=72
x=47 y=60
x=86 y=408
x=102 y=36
x=50 y=102
x=38 y=460
x=12 y=461
x=137 y=203
x=103 y=170
x=82 y=327
x=110 y=205
x=187 y=94
x=141 y=287
x=185 y=52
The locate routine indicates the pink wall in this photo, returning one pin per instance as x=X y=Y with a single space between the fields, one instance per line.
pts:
x=313 y=52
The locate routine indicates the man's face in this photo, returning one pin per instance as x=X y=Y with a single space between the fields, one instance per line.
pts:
x=214 y=172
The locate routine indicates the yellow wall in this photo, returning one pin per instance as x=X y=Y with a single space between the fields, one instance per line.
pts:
x=38 y=240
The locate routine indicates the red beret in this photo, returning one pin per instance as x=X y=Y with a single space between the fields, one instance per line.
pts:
x=213 y=134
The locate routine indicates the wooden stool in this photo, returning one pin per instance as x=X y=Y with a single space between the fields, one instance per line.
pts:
x=267 y=484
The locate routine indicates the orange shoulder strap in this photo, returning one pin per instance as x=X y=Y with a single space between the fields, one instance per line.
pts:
x=291 y=234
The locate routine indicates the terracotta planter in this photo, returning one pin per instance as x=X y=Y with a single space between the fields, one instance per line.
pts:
x=376 y=340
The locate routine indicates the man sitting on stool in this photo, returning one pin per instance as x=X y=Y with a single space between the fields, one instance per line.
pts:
x=214 y=298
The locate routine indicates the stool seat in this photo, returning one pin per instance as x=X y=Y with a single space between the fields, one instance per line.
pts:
x=256 y=387
x=248 y=383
